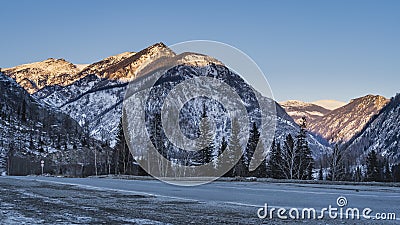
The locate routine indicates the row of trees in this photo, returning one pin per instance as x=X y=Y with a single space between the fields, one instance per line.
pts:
x=293 y=160
x=340 y=168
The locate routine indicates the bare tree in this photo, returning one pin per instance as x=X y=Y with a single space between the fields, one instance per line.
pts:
x=289 y=157
x=336 y=163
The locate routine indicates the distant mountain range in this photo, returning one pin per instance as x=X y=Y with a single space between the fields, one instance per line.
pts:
x=299 y=109
x=341 y=124
x=368 y=123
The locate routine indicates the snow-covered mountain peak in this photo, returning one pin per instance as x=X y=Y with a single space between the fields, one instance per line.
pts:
x=126 y=66
x=195 y=59
x=293 y=103
x=37 y=75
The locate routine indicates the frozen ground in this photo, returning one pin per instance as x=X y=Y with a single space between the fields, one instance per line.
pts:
x=35 y=200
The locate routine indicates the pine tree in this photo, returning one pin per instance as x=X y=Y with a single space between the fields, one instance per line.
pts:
x=358 y=177
x=396 y=173
x=260 y=154
x=123 y=158
x=254 y=137
x=236 y=150
x=387 y=172
x=158 y=142
x=222 y=149
x=275 y=162
x=320 y=174
x=305 y=161
x=206 y=143
x=372 y=167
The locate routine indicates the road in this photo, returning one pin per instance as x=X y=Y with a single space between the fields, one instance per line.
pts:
x=95 y=200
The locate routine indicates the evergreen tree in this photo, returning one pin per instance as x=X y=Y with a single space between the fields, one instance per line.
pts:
x=358 y=177
x=236 y=151
x=224 y=145
x=275 y=162
x=396 y=173
x=387 y=176
x=206 y=143
x=373 y=171
x=320 y=174
x=305 y=161
x=158 y=142
x=260 y=154
x=254 y=137
x=123 y=158
x=222 y=149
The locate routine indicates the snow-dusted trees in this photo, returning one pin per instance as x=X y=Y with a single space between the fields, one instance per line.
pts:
x=294 y=160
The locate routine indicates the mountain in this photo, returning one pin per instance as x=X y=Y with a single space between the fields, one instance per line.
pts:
x=191 y=65
x=341 y=124
x=298 y=109
x=381 y=134
x=95 y=99
x=35 y=76
x=32 y=132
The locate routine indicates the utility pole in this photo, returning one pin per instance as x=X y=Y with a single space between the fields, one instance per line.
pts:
x=42 y=165
x=95 y=161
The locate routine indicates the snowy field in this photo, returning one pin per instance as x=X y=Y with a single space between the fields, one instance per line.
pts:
x=50 y=200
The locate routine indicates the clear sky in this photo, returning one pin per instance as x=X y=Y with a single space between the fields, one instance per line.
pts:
x=309 y=50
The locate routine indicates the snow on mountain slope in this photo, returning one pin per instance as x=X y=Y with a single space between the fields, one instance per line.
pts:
x=32 y=132
x=35 y=76
x=190 y=114
x=125 y=66
x=341 y=124
x=95 y=101
x=381 y=134
x=298 y=109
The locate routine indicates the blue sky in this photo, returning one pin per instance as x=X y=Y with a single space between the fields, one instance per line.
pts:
x=309 y=50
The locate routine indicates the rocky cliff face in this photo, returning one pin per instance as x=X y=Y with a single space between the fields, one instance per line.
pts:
x=341 y=124
x=381 y=134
